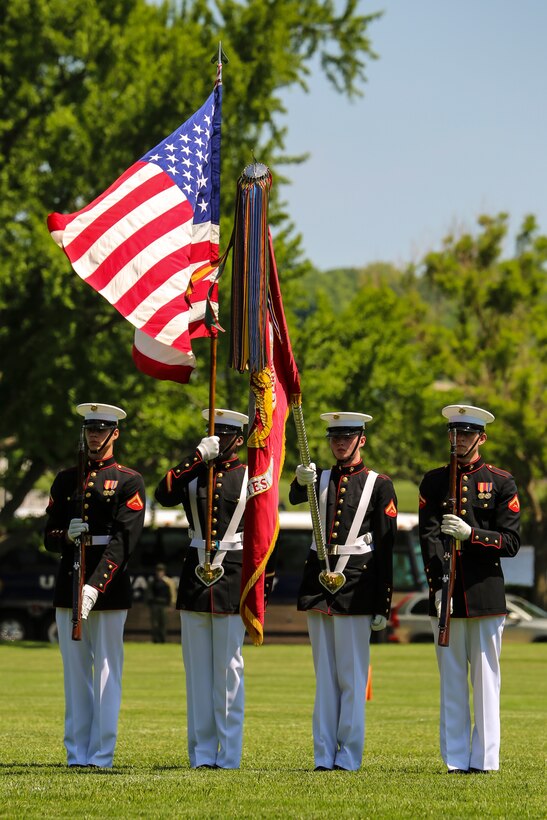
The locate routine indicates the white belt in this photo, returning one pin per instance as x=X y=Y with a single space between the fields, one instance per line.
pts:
x=360 y=546
x=351 y=549
x=100 y=540
x=236 y=544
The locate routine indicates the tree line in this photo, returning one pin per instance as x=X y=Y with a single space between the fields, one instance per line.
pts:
x=89 y=86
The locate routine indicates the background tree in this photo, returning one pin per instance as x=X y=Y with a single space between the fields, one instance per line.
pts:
x=87 y=87
x=486 y=343
x=363 y=357
x=467 y=325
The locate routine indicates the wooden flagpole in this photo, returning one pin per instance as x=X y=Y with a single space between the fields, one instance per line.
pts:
x=208 y=574
x=211 y=463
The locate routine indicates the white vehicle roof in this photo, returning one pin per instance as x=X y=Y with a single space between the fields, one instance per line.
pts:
x=288 y=519
x=297 y=520
x=301 y=520
x=407 y=521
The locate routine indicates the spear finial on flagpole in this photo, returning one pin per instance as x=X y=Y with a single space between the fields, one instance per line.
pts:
x=219 y=58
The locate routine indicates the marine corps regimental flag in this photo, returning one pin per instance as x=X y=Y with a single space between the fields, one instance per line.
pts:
x=149 y=243
x=271 y=391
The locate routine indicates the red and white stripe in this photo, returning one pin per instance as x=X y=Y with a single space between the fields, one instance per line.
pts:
x=137 y=245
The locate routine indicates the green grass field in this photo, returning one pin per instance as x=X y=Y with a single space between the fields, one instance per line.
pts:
x=402 y=774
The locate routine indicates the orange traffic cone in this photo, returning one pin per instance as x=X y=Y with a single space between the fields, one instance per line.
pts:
x=368 y=695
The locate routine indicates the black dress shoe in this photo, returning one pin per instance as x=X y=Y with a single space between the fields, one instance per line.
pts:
x=341 y=768
x=472 y=770
x=322 y=769
x=458 y=771
x=206 y=766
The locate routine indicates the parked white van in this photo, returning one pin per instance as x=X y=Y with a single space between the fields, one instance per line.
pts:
x=167 y=541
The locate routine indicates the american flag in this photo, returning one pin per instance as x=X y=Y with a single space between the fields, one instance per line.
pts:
x=148 y=244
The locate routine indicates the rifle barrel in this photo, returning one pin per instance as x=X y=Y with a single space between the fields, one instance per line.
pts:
x=78 y=564
x=449 y=562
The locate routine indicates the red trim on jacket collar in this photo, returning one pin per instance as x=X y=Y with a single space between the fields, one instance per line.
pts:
x=227 y=463
x=354 y=468
x=471 y=468
x=101 y=463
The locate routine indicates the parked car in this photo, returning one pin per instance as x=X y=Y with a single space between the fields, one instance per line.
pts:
x=27 y=580
x=410 y=622
x=28 y=572
x=525 y=621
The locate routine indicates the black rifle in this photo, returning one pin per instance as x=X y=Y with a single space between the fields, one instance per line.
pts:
x=80 y=544
x=450 y=547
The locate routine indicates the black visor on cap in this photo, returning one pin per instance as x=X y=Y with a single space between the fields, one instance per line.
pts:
x=336 y=432
x=227 y=430
x=466 y=426
x=99 y=424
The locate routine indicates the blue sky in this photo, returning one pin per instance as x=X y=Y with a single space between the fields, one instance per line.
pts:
x=453 y=124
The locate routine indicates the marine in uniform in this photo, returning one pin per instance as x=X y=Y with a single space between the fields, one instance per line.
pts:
x=160 y=595
x=358 y=509
x=113 y=516
x=211 y=627
x=486 y=529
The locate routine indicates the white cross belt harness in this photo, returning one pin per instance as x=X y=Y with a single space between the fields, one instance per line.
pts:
x=355 y=544
x=232 y=540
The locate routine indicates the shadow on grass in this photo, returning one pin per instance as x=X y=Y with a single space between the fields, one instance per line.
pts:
x=29 y=766
x=21 y=768
x=27 y=645
x=24 y=768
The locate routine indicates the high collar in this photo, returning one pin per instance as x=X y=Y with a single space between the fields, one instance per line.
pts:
x=101 y=463
x=227 y=463
x=348 y=470
x=470 y=468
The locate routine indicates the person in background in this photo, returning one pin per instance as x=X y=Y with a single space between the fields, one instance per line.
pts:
x=486 y=528
x=358 y=508
x=160 y=596
x=211 y=628
x=113 y=517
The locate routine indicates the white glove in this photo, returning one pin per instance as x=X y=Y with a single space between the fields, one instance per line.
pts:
x=455 y=526
x=89 y=597
x=306 y=475
x=209 y=447
x=438 y=599
x=76 y=528
x=378 y=622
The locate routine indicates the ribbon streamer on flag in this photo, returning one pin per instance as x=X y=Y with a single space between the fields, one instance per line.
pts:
x=272 y=389
x=250 y=269
x=149 y=243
